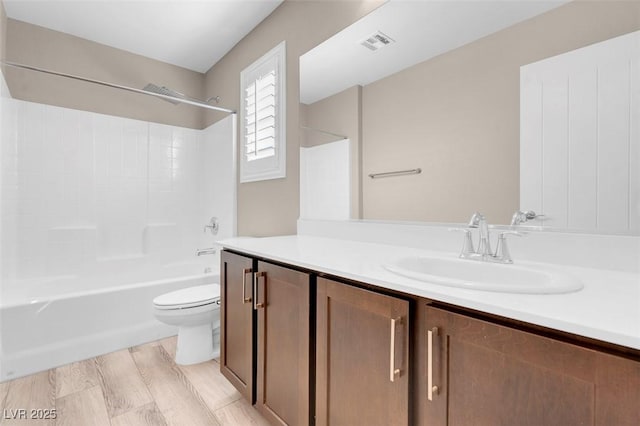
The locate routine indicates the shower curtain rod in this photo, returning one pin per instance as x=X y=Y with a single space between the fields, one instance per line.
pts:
x=324 y=131
x=118 y=86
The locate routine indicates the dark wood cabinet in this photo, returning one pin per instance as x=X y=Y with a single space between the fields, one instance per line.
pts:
x=484 y=373
x=236 y=322
x=282 y=298
x=306 y=349
x=265 y=337
x=617 y=391
x=362 y=357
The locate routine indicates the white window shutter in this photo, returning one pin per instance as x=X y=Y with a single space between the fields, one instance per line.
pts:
x=263 y=147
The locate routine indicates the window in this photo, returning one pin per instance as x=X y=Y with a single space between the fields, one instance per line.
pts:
x=262 y=86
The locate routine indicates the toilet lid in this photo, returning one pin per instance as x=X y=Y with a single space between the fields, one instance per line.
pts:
x=188 y=297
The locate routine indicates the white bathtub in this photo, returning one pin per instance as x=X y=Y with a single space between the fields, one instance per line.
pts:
x=65 y=319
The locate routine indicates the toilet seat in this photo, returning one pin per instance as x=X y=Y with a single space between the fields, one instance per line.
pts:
x=190 y=297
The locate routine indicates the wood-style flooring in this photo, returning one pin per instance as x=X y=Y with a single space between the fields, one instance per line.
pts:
x=139 y=386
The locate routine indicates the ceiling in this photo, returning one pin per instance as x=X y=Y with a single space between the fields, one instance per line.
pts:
x=192 y=34
x=420 y=29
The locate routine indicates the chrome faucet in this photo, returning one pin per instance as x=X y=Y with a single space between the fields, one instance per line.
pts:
x=484 y=252
x=484 y=244
x=210 y=250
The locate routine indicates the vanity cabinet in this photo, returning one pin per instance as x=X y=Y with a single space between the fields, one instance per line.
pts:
x=362 y=357
x=236 y=322
x=265 y=336
x=306 y=348
x=282 y=301
x=483 y=373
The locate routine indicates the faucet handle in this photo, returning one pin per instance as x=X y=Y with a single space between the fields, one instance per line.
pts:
x=213 y=226
x=520 y=217
x=502 y=250
x=475 y=220
x=467 y=245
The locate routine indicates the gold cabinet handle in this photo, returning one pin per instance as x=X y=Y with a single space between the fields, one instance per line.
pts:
x=245 y=271
x=393 y=371
x=257 y=305
x=431 y=388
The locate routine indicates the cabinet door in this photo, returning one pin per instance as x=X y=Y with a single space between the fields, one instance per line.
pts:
x=617 y=391
x=236 y=322
x=282 y=302
x=488 y=374
x=362 y=352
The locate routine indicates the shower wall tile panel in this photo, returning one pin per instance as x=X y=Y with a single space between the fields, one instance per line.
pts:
x=8 y=182
x=325 y=181
x=218 y=183
x=175 y=170
x=82 y=192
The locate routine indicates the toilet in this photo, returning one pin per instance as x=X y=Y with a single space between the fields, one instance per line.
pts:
x=196 y=311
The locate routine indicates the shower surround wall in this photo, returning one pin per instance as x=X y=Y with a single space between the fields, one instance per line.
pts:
x=85 y=194
x=99 y=215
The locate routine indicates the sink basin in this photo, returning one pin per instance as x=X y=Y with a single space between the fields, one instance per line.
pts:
x=476 y=275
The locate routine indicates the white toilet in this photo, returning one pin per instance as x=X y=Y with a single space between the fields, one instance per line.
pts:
x=196 y=311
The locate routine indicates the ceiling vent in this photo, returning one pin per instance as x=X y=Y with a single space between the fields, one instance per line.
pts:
x=377 y=41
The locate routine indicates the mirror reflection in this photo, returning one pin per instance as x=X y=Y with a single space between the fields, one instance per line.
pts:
x=503 y=106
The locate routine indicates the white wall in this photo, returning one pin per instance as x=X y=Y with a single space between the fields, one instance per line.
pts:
x=580 y=137
x=219 y=177
x=325 y=181
x=86 y=193
x=5 y=130
x=4 y=95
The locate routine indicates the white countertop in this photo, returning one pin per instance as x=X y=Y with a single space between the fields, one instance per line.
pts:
x=607 y=308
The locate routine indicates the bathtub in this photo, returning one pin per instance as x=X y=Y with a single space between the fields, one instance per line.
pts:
x=59 y=320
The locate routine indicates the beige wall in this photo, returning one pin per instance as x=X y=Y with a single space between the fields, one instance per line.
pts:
x=339 y=114
x=37 y=46
x=272 y=207
x=457 y=117
x=264 y=208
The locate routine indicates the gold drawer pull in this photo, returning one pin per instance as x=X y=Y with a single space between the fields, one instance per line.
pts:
x=245 y=271
x=431 y=388
x=256 y=304
x=393 y=371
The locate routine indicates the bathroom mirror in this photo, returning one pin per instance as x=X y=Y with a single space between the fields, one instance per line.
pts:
x=436 y=86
